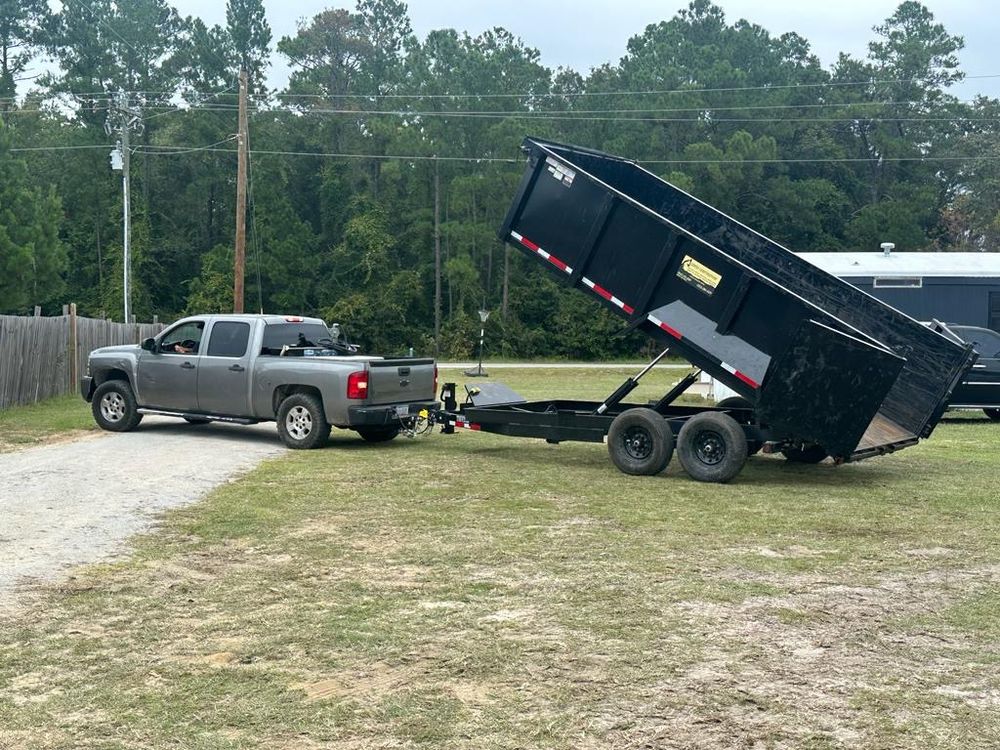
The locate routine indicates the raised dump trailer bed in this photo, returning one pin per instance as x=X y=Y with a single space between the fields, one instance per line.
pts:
x=826 y=368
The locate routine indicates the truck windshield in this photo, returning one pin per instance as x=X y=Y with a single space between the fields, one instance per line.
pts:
x=279 y=335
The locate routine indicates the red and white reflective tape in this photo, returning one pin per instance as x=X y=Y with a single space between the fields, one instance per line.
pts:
x=600 y=291
x=663 y=326
x=536 y=249
x=742 y=376
x=466 y=425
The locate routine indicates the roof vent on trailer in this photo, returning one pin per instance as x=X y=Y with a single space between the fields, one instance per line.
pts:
x=887 y=248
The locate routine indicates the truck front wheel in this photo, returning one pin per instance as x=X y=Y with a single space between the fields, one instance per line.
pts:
x=114 y=407
x=302 y=423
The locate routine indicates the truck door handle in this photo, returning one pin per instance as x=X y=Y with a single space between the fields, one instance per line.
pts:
x=236 y=368
x=187 y=366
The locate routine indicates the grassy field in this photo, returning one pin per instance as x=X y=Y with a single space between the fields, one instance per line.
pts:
x=476 y=591
x=55 y=419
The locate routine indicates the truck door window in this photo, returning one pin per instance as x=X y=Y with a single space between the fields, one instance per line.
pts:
x=183 y=339
x=229 y=339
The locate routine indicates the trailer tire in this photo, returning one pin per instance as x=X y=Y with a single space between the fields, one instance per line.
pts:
x=640 y=442
x=302 y=422
x=114 y=407
x=738 y=402
x=378 y=434
x=712 y=447
x=992 y=414
x=811 y=455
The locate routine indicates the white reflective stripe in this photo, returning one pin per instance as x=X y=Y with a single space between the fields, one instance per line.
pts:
x=516 y=236
x=728 y=368
x=542 y=253
x=588 y=282
x=654 y=320
x=616 y=301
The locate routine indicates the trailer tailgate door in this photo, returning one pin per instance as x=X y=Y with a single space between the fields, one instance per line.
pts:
x=826 y=386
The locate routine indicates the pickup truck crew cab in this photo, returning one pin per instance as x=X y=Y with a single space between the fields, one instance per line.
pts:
x=255 y=368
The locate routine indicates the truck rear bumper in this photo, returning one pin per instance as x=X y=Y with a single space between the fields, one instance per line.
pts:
x=377 y=416
x=87 y=387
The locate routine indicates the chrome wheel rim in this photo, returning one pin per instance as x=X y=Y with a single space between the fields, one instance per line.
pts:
x=113 y=407
x=299 y=422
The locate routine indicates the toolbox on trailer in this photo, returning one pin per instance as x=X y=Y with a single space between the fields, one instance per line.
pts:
x=825 y=368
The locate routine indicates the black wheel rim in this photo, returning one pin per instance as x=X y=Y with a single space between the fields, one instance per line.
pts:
x=638 y=443
x=709 y=447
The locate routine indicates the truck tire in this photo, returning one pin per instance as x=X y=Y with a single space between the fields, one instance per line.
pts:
x=738 y=402
x=114 y=407
x=640 y=442
x=378 y=434
x=811 y=455
x=993 y=414
x=712 y=447
x=302 y=423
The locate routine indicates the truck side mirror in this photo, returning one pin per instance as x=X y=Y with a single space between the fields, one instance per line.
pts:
x=149 y=345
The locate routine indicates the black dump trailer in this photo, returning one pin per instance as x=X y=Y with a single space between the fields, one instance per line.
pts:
x=825 y=369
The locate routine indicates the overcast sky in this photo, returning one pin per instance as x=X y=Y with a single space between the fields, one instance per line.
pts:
x=582 y=34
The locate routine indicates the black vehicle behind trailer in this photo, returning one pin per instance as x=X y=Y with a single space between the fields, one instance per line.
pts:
x=825 y=369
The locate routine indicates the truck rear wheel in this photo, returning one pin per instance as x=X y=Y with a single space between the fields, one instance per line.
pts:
x=712 y=447
x=302 y=423
x=811 y=455
x=378 y=434
x=114 y=407
x=640 y=442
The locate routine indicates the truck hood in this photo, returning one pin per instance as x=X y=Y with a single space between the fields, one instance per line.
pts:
x=116 y=349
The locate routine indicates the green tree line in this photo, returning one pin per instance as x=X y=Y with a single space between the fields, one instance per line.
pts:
x=385 y=149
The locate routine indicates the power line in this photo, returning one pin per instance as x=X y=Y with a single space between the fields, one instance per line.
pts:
x=573 y=117
x=704 y=108
x=766 y=87
x=170 y=150
x=106 y=25
x=561 y=95
x=494 y=159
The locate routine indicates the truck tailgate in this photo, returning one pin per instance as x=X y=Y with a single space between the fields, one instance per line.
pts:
x=400 y=381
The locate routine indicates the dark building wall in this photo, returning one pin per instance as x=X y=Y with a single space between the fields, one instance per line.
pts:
x=961 y=301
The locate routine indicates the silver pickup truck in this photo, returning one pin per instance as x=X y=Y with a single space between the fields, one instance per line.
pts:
x=256 y=368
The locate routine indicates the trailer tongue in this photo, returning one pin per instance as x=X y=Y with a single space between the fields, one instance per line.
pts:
x=825 y=368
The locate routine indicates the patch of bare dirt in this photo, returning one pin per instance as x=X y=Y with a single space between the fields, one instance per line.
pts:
x=781 y=671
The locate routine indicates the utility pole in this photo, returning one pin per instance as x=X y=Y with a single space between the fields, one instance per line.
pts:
x=437 y=259
x=239 y=260
x=124 y=118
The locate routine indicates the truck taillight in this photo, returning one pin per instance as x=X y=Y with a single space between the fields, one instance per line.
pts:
x=357 y=384
x=435 y=389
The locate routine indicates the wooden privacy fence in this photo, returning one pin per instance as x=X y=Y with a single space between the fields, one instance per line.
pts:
x=45 y=357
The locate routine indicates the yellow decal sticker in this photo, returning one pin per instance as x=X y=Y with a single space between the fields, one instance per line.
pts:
x=698 y=275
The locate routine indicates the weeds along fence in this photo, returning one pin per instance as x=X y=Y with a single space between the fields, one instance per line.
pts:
x=45 y=357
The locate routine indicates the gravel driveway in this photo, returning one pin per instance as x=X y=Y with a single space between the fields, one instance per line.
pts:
x=79 y=502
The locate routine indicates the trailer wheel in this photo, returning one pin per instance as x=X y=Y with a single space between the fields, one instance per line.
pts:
x=738 y=402
x=640 y=442
x=811 y=455
x=712 y=447
x=993 y=414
